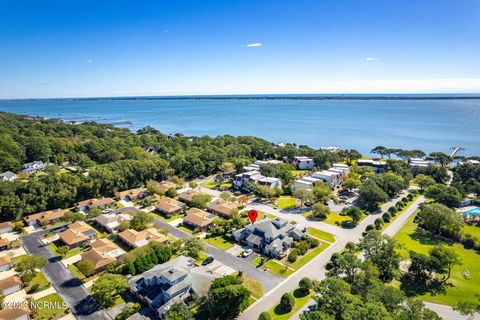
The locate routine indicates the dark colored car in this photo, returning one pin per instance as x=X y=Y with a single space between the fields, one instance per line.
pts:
x=207 y=261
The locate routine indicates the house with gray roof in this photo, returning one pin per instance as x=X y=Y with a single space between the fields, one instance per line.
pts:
x=35 y=166
x=271 y=237
x=8 y=176
x=173 y=281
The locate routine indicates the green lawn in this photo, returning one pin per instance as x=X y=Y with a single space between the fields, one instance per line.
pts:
x=174 y=217
x=302 y=260
x=297 y=173
x=274 y=267
x=286 y=202
x=322 y=235
x=201 y=256
x=401 y=211
x=69 y=254
x=278 y=313
x=472 y=230
x=462 y=288
x=17 y=259
x=220 y=242
x=76 y=272
x=185 y=229
x=336 y=218
x=38 y=283
x=56 y=307
x=256 y=288
x=211 y=184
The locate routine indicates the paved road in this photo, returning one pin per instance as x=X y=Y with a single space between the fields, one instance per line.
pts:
x=83 y=306
x=315 y=269
x=268 y=280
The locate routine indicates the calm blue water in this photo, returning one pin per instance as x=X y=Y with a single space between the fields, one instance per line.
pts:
x=430 y=125
x=472 y=212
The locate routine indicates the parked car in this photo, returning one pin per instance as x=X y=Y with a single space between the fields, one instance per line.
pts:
x=247 y=252
x=208 y=261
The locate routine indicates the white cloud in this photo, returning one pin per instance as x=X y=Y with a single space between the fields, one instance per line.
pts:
x=89 y=61
x=254 y=45
x=371 y=59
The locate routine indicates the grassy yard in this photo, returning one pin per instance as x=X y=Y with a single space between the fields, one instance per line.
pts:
x=185 y=229
x=401 y=211
x=17 y=259
x=286 y=202
x=256 y=288
x=69 y=254
x=301 y=299
x=174 y=217
x=336 y=218
x=472 y=230
x=76 y=272
x=220 y=242
x=322 y=235
x=297 y=173
x=38 y=283
x=50 y=313
x=302 y=260
x=201 y=256
x=462 y=287
x=273 y=266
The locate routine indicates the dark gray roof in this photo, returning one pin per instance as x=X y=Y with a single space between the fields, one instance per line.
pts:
x=253 y=238
x=8 y=174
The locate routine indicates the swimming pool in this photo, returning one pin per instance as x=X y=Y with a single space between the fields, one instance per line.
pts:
x=474 y=211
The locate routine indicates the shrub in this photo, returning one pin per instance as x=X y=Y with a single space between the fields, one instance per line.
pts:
x=305 y=284
x=313 y=242
x=287 y=301
x=264 y=316
x=86 y=267
x=392 y=210
x=370 y=227
x=292 y=256
x=379 y=223
x=386 y=217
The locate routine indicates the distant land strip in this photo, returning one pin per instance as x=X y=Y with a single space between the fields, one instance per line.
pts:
x=313 y=97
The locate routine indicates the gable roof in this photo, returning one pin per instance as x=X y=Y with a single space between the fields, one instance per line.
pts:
x=187 y=196
x=169 y=205
x=8 y=314
x=7 y=175
x=139 y=238
x=223 y=207
x=102 y=252
x=165 y=185
x=9 y=282
x=199 y=217
x=76 y=232
x=4 y=242
x=133 y=193
x=6 y=224
x=94 y=203
x=5 y=260
x=46 y=216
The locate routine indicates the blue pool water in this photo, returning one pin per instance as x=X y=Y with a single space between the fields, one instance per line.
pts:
x=474 y=211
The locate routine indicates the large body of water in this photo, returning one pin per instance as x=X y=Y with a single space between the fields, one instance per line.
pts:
x=429 y=125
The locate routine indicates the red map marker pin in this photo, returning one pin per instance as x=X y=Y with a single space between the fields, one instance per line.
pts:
x=252 y=215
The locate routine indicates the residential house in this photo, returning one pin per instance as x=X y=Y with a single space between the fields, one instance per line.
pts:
x=270 y=182
x=243 y=180
x=344 y=167
x=418 y=162
x=303 y=163
x=14 y=314
x=35 y=166
x=7 y=176
x=174 y=281
x=45 y=217
x=10 y=285
x=102 y=253
x=187 y=196
x=271 y=237
x=165 y=185
x=198 y=218
x=78 y=234
x=6 y=227
x=4 y=244
x=333 y=178
x=111 y=221
x=133 y=194
x=262 y=162
x=169 y=206
x=96 y=203
x=137 y=239
x=376 y=165
x=223 y=208
x=304 y=183
x=6 y=263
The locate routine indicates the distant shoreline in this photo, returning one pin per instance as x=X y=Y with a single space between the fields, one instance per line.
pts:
x=275 y=97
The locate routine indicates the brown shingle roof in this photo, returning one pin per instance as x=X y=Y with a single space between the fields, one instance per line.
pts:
x=165 y=185
x=4 y=242
x=168 y=205
x=8 y=314
x=99 y=253
x=94 y=203
x=188 y=195
x=223 y=207
x=9 y=282
x=5 y=260
x=46 y=216
x=133 y=237
x=133 y=193
x=6 y=224
x=199 y=217
x=75 y=233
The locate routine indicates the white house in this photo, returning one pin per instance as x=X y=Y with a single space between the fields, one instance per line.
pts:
x=418 y=162
x=332 y=178
x=301 y=183
x=376 y=165
x=35 y=166
x=345 y=168
x=261 y=162
x=270 y=182
x=8 y=176
x=303 y=163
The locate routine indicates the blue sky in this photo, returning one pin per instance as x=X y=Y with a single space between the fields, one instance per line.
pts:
x=116 y=48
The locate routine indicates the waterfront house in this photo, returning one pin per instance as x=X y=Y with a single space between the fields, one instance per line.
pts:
x=102 y=253
x=10 y=285
x=6 y=227
x=177 y=280
x=44 y=217
x=96 y=203
x=376 y=165
x=223 y=208
x=78 y=234
x=169 y=206
x=198 y=218
x=418 y=162
x=137 y=239
x=35 y=166
x=272 y=237
x=7 y=176
x=5 y=263
x=133 y=194
x=303 y=163
x=15 y=314
x=111 y=221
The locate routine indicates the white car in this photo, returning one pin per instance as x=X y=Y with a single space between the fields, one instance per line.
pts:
x=247 y=252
